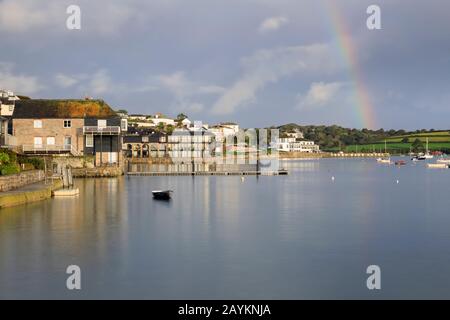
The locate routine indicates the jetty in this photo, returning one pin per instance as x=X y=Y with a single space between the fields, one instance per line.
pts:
x=211 y=173
x=30 y=193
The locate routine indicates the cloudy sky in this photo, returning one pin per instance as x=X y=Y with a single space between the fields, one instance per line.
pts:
x=257 y=62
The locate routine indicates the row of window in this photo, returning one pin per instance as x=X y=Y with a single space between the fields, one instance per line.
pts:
x=38 y=124
x=38 y=141
x=68 y=124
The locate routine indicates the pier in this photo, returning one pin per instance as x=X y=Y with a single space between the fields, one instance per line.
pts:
x=211 y=173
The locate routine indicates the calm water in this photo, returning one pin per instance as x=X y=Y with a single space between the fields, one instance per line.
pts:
x=296 y=236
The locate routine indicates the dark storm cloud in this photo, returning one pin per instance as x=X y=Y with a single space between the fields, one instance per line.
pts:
x=252 y=61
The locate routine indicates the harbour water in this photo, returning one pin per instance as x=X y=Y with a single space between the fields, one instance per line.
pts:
x=304 y=235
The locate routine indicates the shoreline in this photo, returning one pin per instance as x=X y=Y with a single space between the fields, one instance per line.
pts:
x=28 y=194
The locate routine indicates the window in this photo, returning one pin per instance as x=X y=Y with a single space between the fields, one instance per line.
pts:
x=38 y=124
x=89 y=141
x=11 y=108
x=67 y=143
x=124 y=125
x=50 y=141
x=67 y=123
x=37 y=142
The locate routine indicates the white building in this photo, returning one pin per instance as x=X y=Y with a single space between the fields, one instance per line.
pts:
x=137 y=117
x=221 y=131
x=184 y=143
x=7 y=101
x=147 y=124
x=297 y=134
x=186 y=122
x=159 y=118
x=293 y=145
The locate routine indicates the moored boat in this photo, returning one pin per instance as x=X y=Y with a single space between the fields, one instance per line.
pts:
x=437 y=165
x=162 y=194
x=400 y=162
x=384 y=160
x=443 y=160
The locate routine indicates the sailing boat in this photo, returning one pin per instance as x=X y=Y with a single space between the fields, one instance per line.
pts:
x=386 y=160
x=425 y=156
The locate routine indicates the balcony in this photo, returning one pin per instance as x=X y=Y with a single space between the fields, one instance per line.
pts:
x=111 y=130
x=49 y=149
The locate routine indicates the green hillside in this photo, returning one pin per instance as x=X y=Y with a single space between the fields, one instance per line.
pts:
x=437 y=141
x=337 y=138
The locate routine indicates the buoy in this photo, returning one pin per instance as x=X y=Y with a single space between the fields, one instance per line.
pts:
x=398 y=182
x=242 y=179
x=332 y=178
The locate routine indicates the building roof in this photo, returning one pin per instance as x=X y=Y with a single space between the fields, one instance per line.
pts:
x=139 y=138
x=41 y=109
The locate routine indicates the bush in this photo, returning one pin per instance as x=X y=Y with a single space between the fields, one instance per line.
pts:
x=11 y=168
x=4 y=158
x=27 y=167
x=37 y=163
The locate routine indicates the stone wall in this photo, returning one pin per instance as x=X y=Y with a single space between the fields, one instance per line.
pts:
x=15 y=181
x=74 y=162
x=98 y=172
x=15 y=198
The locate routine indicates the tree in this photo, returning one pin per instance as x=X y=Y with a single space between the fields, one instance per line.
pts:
x=417 y=145
x=160 y=127
x=405 y=140
x=169 y=129
x=181 y=117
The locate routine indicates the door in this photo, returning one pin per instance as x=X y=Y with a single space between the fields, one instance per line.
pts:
x=67 y=143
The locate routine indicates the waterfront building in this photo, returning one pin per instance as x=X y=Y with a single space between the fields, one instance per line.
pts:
x=145 y=145
x=68 y=127
x=295 y=145
x=189 y=145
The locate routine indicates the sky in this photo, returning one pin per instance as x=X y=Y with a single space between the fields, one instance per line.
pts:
x=255 y=62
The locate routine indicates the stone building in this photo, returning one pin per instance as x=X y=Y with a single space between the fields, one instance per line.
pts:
x=68 y=127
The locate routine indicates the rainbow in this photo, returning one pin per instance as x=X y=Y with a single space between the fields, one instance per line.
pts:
x=363 y=105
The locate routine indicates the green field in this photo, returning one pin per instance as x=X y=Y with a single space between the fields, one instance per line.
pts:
x=438 y=141
x=437 y=136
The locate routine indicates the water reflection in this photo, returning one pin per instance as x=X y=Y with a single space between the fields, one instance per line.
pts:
x=304 y=235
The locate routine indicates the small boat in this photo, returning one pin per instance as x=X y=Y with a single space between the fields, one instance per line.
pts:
x=400 y=163
x=443 y=160
x=437 y=165
x=162 y=194
x=384 y=160
x=422 y=157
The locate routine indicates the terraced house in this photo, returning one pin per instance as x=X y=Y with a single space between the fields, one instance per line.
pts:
x=68 y=127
